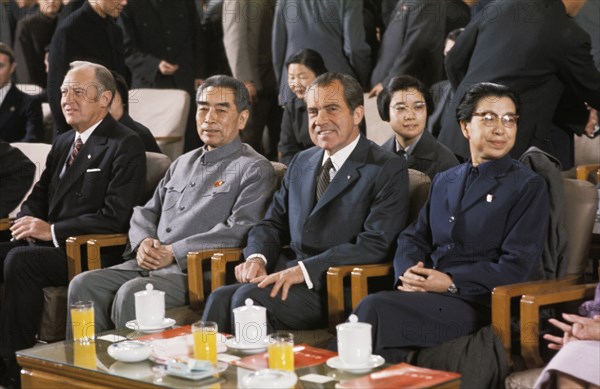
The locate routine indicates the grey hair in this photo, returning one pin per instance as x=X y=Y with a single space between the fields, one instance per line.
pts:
x=105 y=79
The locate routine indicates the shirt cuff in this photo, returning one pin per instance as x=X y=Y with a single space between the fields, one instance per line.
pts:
x=256 y=255
x=309 y=283
x=53 y=236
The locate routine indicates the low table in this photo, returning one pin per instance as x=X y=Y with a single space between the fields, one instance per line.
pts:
x=58 y=365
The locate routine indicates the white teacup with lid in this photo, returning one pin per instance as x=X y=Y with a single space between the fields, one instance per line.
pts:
x=149 y=307
x=250 y=324
x=354 y=342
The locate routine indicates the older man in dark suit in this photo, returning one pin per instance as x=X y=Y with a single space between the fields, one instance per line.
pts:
x=20 y=114
x=342 y=202
x=94 y=177
x=542 y=53
x=91 y=34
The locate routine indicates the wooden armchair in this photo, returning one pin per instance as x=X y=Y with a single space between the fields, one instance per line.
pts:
x=581 y=201
x=589 y=173
x=52 y=325
x=418 y=187
x=530 y=305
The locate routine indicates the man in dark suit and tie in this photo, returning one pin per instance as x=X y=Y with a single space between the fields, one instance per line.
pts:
x=20 y=114
x=90 y=33
x=94 y=176
x=342 y=202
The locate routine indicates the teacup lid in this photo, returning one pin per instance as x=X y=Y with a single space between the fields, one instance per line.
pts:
x=149 y=291
x=249 y=307
x=353 y=324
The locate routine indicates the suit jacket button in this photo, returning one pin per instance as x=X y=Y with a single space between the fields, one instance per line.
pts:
x=181 y=208
x=193 y=184
x=451 y=220
x=168 y=229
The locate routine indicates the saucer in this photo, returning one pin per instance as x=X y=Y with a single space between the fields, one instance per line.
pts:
x=166 y=323
x=219 y=368
x=244 y=347
x=374 y=361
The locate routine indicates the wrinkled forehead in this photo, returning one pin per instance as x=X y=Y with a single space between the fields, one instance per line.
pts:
x=213 y=95
x=80 y=76
x=324 y=95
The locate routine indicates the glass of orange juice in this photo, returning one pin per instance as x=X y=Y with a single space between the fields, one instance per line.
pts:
x=82 y=320
x=281 y=351
x=205 y=341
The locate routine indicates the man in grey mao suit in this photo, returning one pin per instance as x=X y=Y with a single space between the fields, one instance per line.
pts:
x=209 y=198
x=352 y=220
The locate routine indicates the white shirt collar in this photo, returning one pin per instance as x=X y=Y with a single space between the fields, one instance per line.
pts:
x=342 y=155
x=87 y=133
x=4 y=91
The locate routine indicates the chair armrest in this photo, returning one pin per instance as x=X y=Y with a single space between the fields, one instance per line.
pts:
x=98 y=242
x=530 y=317
x=195 y=259
x=218 y=265
x=335 y=293
x=5 y=223
x=360 y=276
x=583 y=171
x=501 y=298
x=73 y=250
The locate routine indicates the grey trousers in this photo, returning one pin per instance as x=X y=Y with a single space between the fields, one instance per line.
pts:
x=112 y=291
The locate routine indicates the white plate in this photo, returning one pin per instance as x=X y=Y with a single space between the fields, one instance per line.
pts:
x=133 y=325
x=374 y=361
x=245 y=348
x=221 y=367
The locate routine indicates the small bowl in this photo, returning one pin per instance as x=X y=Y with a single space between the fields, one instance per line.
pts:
x=129 y=351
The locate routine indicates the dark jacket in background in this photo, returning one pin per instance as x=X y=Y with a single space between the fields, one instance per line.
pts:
x=16 y=176
x=83 y=36
x=33 y=35
x=21 y=117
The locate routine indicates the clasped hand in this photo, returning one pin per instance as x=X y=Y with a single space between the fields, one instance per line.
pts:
x=254 y=271
x=152 y=255
x=418 y=278
x=31 y=228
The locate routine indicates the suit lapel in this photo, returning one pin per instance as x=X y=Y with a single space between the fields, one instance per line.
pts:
x=313 y=167
x=93 y=149
x=455 y=191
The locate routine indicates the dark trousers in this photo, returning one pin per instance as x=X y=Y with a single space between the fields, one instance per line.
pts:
x=404 y=321
x=28 y=269
x=302 y=310
x=265 y=112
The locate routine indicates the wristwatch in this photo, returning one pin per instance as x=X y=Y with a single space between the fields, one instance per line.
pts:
x=452 y=289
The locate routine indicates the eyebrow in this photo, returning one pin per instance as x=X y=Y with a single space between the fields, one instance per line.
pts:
x=223 y=104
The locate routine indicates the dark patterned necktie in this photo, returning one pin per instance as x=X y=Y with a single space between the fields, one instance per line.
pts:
x=324 y=178
x=76 y=148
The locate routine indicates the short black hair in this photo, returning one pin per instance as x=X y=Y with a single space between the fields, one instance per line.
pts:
x=468 y=103
x=122 y=89
x=309 y=58
x=242 y=97
x=402 y=82
x=353 y=93
x=6 y=50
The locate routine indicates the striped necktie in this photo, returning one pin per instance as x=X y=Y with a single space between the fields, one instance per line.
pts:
x=324 y=178
x=76 y=148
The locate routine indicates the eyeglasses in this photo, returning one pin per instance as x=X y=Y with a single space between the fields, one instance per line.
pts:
x=489 y=119
x=417 y=107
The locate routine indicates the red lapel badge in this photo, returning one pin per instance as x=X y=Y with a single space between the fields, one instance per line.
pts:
x=216 y=184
